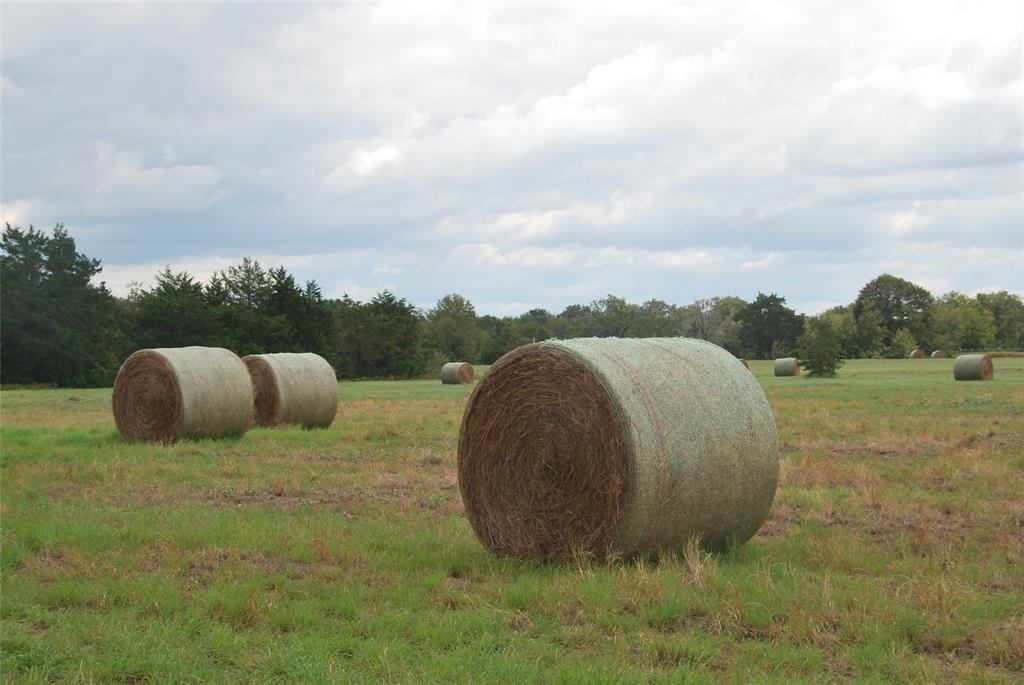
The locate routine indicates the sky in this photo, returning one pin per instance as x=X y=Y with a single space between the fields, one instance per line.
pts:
x=526 y=155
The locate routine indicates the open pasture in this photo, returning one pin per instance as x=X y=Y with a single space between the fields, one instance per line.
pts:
x=894 y=551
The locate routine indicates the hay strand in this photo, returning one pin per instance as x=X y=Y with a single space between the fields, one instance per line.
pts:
x=168 y=394
x=293 y=388
x=605 y=445
x=787 y=366
x=973 y=367
x=456 y=373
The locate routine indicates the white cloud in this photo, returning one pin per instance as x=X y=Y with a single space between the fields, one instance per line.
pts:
x=527 y=155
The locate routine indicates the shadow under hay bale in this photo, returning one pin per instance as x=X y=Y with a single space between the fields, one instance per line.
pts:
x=918 y=354
x=294 y=388
x=456 y=373
x=939 y=354
x=597 y=446
x=973 y=367
x=167 y=394
x=787 y=366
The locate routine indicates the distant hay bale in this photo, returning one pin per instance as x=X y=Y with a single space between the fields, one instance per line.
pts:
x=918 y=354
x=787 y=366
x=973 y=367
x=744 y=362
x=186 y=392
x=939 y=354
x=296 y=388
x=456 y=373
x=602 y=446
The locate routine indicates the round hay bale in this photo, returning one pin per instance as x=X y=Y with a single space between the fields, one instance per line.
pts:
x=744 y=362
x=787 y=366
x=456 y=373
x=298 y=388
x=973 y=367
x=603 y=445
x=918 y=354
x=939 y=354
x=185 y=392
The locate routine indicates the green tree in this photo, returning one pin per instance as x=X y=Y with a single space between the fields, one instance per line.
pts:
x=714 y=320
x=819 y=348
x=903 y=343
x=381 y=339
x=58 y=327
x=656 y=319
x=767 y=325
x=901 y=304
x=1007 y=311
x=453 y=330
x=613 y=317
x=959 y=322
x=174 y=313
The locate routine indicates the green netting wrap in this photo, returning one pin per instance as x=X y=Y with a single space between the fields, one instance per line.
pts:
x=296 y=388
x=182 y=392
x=456 y=373
x=601 y=444
x=973 y=367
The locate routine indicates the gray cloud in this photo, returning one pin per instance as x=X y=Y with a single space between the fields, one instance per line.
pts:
x=526 y=155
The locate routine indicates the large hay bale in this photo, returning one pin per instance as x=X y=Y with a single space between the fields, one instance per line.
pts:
x=298 y=388
x=603 y=445
x=973 y=367
x=184 y=392
x=456 y=373
x=918 y=354
x=939 y=354
x=787 y=366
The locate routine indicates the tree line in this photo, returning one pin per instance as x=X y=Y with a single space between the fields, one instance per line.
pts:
x=60 y=327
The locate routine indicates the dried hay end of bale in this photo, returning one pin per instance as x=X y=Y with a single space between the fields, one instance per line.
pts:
x=918 y=354
x=939 y=354
x=973 y=367
x=167 y=394
x=606 y=446
x=787 y=366
x=457 y=373
x=293 y=388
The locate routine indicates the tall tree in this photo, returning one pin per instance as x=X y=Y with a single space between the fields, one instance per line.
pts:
x=452 y=326
x=767 y=324
x=959 y=322
x=902 y=305
x=58 y=327
x=1007 y=311
x=174 y=313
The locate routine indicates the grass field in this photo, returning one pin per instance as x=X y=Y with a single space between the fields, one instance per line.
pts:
x=894 y=551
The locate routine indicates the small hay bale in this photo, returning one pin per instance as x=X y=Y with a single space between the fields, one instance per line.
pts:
x=297 y=388
x=939 y=354
x=167 y=394
x=456 y=373
x=787 y=366
x=744 y=362
x=918 y=354
x=973 y=367
x=600 y=446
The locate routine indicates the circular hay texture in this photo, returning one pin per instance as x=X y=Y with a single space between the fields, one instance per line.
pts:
x=939 y=354
x=918 y=354
x=456 y=373
x=601 y=445
x=293 y=388
x=973 y=367
x=787 y=366
x=167 y=394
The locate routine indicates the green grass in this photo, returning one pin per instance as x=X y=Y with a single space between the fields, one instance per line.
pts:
x=894 y=552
